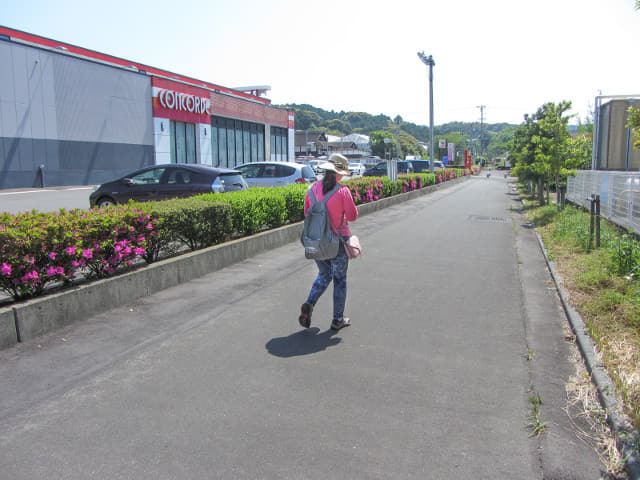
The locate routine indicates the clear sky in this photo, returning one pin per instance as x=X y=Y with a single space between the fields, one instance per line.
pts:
x=508 y=55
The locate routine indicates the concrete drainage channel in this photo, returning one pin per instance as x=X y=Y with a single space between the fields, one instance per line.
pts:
x=23 y=321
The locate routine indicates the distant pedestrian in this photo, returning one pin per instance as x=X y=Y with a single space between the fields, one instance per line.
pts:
x=341 y=210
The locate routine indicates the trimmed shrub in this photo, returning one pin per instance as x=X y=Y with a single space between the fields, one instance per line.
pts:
x=39 y=249
x=195 y=222
x=294 y=200
x=253 y=210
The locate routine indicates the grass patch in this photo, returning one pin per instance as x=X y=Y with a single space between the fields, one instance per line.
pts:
x=604 y=287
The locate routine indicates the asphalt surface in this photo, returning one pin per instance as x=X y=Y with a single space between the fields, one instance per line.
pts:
x=455 y=324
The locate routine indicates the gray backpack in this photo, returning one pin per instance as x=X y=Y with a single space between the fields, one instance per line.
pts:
x=318 y=239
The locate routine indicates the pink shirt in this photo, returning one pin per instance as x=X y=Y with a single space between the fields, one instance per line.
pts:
x=340 y=203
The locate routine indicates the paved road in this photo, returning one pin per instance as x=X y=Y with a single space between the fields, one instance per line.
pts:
x=45 y=199
x=215 y=379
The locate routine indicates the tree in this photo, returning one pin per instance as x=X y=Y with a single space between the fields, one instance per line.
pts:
x=306 y=120
x=552 y=143
x=544 y=149
x=501 y=142
x=581 y=148
x=339 y=126
x=376 y=140
x=522 y=153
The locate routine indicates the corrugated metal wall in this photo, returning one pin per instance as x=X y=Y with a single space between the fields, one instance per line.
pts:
x=85 y=122
x=613 y=140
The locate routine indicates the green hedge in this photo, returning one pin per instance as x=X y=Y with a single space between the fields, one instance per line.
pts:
x=38 y=249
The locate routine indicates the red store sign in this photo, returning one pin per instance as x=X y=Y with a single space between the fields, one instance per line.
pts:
x=180 y=102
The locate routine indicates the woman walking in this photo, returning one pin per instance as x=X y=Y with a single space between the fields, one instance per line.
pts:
x=341 y=210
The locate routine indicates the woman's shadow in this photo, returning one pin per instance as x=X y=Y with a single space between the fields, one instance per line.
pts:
x=302 y=342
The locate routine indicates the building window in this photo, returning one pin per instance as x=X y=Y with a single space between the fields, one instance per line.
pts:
x=231 y=144
x=279 y=144
x=183 y=142
x=234 y=142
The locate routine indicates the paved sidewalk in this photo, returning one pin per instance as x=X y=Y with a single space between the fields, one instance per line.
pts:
x=215 y=379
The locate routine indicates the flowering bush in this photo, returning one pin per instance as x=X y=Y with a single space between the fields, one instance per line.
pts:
x=38 y=249
x=365 y=190
x=113 y=237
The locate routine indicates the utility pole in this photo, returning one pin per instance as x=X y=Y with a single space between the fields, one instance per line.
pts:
x=482 y=107
x=430 y=63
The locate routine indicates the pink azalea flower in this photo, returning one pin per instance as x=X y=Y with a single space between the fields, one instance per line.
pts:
x=6 y=269
x=51 y=271
x=88 y=254
x=52 y=255
x=70 y=250
x=33 y=275
x=139 y=251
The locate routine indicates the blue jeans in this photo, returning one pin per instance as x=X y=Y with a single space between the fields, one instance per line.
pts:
x=336 y=270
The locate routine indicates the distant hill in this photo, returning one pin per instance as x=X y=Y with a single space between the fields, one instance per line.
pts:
x=309 y=117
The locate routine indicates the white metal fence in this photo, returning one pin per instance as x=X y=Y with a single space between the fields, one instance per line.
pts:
x=619 y=194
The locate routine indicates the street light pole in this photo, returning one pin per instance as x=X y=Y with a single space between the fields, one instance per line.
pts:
x=430 y=63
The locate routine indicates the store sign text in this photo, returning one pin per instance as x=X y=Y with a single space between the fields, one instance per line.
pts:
x=184 y=102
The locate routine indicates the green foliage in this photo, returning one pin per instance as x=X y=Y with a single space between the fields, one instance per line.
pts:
x=39 y=249
x=376 y=141
x=294 y=201
x=407 y=134
x=544 y=215
x=195 y=222
x=254 y=209
x=625 y=255
x=543 y=148
x=633 y=121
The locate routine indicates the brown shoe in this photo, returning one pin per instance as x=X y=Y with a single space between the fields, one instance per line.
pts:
x=305 y=315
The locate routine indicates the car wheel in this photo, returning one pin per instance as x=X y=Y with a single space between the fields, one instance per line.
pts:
x=106 y=202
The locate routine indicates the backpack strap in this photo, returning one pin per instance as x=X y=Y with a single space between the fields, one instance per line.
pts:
x=327 y=196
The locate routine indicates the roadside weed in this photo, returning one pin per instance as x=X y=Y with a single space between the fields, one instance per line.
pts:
x=536 y=426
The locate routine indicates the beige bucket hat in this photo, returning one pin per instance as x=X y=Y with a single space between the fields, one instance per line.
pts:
x=337 y=163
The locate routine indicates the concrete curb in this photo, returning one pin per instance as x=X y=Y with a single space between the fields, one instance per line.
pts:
x=625 y=436
x=26 y=320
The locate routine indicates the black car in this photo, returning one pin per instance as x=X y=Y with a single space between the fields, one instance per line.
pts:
x=380 y=169
x=420 y=166
x=160 y=182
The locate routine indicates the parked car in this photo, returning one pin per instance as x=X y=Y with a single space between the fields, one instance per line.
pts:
x=315 y=164
x=161 y=182
x=380 y=169
x=420 y=165
x=356 y=168
x=276 y=174
x=423 y=165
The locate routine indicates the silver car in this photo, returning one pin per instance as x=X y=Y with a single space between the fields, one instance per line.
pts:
x=275 y=174
x=356 y=169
